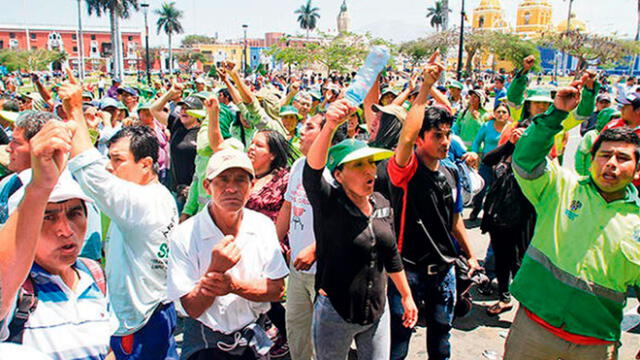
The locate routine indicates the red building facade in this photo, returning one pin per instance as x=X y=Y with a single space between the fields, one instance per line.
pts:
x=97 y=44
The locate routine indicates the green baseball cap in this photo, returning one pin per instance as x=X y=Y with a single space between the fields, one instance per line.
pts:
x=87 y=94
x=351 y=149
x=204 y=95
x=604 y=116
x=388 y=90
x=455 y=84
x=143 y=106
x=315 y=94
x=539 y=95
x=289 y=110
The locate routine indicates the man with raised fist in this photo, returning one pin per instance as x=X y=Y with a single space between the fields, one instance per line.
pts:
x=225 y=266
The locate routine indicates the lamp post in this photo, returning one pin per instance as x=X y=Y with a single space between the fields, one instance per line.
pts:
x=565 y=56
x=244 y=53
x=461 y=45
x=145 y=10
x=80 y=43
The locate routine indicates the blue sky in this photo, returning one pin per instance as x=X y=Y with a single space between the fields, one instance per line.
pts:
x=396 y=20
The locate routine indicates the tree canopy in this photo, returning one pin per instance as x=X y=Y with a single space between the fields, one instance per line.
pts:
x=192 y=39
x=30 y=60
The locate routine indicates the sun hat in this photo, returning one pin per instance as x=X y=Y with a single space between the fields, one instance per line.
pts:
x=129 y=90
x=539 y=95
x=10 y=116
x=351 y=149
x=109 y=102
x=289 y=110
x=479 y=94
x=228 y=159
x=455 y=84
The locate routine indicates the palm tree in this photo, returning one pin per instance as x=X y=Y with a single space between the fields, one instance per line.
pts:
x=635 y=58
x=308 y=16
x=117 y=9
x=437 y=15
x=169 y=22
x=445 y=17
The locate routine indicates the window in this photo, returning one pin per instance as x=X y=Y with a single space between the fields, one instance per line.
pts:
x=33 y=36
x=12 y=35
x=75 y=49
x=481 y=22
x=527 y=18
x=34 y=47
x=74 y=37
x=1 y=44
x=130 y=38
x=93 y=37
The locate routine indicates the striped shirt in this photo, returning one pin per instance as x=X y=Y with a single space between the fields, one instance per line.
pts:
x=69 y=324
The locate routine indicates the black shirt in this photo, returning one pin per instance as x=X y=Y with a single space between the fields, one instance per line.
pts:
x=353 y=250
x=429 y=200
x=183 y=151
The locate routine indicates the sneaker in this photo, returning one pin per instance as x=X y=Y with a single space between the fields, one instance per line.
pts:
x=280 y=349
x=272 y=333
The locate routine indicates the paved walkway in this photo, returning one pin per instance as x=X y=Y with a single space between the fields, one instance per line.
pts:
x=481 y=337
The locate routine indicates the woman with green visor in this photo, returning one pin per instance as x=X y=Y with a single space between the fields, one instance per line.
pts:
x=355 y=247
x=539 y=100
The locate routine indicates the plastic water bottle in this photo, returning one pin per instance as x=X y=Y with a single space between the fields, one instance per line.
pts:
x=366 y=76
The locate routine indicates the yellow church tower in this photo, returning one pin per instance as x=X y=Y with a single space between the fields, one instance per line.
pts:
x=489 y=16
x=534 y=17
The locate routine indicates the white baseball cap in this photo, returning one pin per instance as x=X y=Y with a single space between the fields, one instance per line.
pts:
x=228 y=159
x=65 y=189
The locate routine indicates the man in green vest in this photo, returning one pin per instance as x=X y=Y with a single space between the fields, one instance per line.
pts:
x=586 y=249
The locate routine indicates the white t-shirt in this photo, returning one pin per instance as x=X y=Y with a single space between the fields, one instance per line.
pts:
x=190 y=256
x=142 y=219
x=16 y=351
x=301 y=232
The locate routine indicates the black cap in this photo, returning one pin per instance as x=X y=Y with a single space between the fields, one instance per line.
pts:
x=192 y=103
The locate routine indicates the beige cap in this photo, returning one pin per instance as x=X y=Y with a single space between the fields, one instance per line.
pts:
x=395 y=110
x=228 y=159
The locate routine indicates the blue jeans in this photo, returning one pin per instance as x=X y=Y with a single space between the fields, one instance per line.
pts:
x=437 y=294
x=153 y=341
x=332 y=335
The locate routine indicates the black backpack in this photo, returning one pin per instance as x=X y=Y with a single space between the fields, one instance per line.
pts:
x=505 y=206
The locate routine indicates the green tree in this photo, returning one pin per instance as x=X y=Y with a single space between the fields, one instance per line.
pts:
x=117 y=9
x=169 y=23
x=437 y=14
x=604 y=51
x=30 y=60
x=188 y=58
x=190 y=40
x=290 y=55
x=418 y=50
x=308 y=16
x=513 y=48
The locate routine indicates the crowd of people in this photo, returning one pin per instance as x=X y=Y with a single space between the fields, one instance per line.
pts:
x=262 y=215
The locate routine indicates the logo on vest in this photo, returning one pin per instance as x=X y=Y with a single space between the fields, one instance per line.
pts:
x=573 y=209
